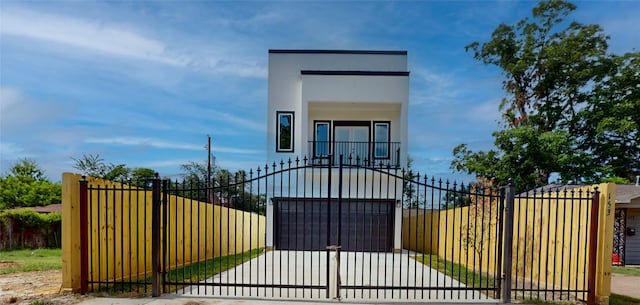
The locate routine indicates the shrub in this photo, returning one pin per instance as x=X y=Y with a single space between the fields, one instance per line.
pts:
x=27 y=228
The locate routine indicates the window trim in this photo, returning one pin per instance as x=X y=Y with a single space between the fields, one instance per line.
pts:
x=351 y=124
x=373 y=140
x=279 y=115
x=315 y=140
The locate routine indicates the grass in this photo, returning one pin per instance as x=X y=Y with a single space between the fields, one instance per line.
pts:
x=193 y=273
x=545 y=302
x=25 y=260
x=456 y=271
x=633 y=271
x=203 y=270
x=616 y=299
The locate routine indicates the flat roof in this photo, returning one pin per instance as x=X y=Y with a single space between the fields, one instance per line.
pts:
x=358 y=73
x=374 y=52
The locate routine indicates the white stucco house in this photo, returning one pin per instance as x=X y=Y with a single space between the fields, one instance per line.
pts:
x=323 y=104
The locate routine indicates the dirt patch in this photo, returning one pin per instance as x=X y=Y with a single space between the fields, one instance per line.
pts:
x=27 y=287
x=8 y=264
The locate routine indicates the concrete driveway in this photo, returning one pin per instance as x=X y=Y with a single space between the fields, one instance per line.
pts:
x=625 y=285
x=303 y=275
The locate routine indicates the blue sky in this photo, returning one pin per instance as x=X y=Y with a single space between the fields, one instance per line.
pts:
x=144 y=83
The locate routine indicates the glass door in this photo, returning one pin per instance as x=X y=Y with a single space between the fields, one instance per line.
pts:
x=351 y=141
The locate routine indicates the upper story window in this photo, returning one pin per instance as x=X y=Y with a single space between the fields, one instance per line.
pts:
x=381 y=139
x=285 y=135
x=321 y=146
x=356 y=139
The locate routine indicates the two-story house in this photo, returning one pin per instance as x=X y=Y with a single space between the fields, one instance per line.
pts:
x=328 y=104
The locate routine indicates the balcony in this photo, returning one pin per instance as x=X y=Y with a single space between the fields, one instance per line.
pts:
x=370 y=154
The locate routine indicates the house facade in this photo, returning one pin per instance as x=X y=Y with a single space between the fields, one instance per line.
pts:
x=324 y=102
x=324 y=105
x=627 y=225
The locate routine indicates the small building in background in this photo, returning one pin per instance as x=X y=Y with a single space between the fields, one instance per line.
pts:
x=626 y=235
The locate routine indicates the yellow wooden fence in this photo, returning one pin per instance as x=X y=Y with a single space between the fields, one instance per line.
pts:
x=120 y=231
x=550 y=230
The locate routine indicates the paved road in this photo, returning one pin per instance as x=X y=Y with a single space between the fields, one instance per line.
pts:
x=620 y=284
x=309 y=268
x=625 y=285
x=177 y=300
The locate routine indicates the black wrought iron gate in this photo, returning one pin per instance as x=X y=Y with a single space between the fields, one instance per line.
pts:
x=301 y=230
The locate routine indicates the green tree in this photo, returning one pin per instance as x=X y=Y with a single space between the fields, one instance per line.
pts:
x=226 y=187
x=569 y=107
x=546 y=62
x=117 y=172
x=26 y=185
x=95 y=166
x=411 y=198
x=610 y=121
x=142 y=174
x=457 y=196
x=195 y=171
x=91 y=165
x=195 y=176
x=525 y=155
x=27 y=170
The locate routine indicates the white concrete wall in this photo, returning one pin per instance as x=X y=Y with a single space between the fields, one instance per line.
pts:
x=355 y=184
x=289 y=90
x=338 y=97
x=356 y=98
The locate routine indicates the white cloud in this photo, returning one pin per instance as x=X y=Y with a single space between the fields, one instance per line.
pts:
x=155 y=143
x=165 y=163
x=240 y=165
x=208 y=113
x=134 y=141
x=85 y=34
x=484 y=114
x=8 y=97
x=118 y=40
x=434 y=89
x=18 y=111
x=232 y=150
x=240 y=68
x=239 y=121
x=11 y=151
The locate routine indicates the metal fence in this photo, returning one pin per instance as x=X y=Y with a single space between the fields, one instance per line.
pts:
x=116 y=245
x=551 y=243
x=370 y=154
x=297 y=229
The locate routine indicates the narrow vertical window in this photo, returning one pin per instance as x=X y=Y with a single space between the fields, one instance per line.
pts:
x=284 y=137
x=381 y=137
x=321 y=143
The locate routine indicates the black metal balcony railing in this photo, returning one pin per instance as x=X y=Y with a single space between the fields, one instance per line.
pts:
x=356 y=153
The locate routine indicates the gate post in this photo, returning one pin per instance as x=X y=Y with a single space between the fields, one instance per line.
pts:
x=155 y=236
x=593 y=248
x=498 y=289
x=508 y=243
x=165 y=230
x=84 y=238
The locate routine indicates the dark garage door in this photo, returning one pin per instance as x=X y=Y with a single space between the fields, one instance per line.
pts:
x=302 y=224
